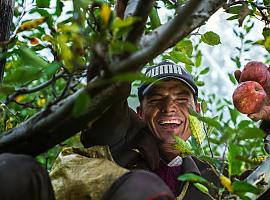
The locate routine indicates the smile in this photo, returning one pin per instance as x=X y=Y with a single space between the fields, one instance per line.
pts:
x=173 y=122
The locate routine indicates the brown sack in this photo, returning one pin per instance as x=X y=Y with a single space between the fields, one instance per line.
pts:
x=84 y=174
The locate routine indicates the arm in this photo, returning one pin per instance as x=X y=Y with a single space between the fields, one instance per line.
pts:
x=111 y=126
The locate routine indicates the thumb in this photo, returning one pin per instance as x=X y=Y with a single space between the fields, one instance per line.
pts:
x=263 y=114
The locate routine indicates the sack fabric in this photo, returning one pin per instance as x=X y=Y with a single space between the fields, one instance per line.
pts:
x=84 y=173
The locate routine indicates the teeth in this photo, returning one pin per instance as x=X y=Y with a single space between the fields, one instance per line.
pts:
x=169 y=122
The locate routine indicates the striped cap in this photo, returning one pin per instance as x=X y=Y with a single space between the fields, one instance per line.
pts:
x=165 y=70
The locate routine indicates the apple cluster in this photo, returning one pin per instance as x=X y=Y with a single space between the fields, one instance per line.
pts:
x=251 y=93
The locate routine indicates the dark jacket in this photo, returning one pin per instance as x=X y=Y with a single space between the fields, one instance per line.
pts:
x=133 y=146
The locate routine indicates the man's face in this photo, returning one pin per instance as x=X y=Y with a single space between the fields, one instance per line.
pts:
x=165 y=110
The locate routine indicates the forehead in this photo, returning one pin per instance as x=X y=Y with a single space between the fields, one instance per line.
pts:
x=169 y=86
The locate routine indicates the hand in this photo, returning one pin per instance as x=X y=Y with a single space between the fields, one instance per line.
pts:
x=264 y=112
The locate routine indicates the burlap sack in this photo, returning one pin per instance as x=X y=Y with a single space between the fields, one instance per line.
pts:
x=84 y=174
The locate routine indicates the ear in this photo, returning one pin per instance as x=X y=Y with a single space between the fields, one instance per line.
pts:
x=139 y=111
x=198 y=107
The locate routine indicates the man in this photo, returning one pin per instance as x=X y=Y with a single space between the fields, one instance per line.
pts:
x=145 y=140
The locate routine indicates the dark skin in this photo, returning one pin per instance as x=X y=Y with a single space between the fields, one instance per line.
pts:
x=264 y=112
x=165 y=110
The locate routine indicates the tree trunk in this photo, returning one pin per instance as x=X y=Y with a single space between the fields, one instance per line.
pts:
x=6 y=15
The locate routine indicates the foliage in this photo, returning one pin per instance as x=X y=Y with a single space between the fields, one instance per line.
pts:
x=55 y=49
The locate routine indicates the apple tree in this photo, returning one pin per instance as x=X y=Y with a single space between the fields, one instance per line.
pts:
x=64 y=63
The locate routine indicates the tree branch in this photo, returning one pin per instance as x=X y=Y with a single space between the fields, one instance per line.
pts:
x=56 y=124
x=160 y=43
x=120 y=8
x=198 y=18
x=31 y=90
x=141 y=9
x=50 y=127
x=6 y=14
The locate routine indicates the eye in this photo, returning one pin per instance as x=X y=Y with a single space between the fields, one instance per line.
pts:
x=182 y=99
x=154 y=100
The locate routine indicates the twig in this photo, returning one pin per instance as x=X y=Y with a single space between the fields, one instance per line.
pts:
x=208 y=142
x=223 y=158
x=31 y=90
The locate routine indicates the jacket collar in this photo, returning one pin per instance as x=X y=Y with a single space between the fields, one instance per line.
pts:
x=189 y=166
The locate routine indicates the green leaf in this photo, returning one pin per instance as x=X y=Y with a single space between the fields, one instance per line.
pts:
x=52 y=68
x=185 y=46
x=154 y=18
x=201 y=187
x=204 y=71
x=23 y=75
x=250 y=133
x=200 y=83
x=198 y=59
x=234 y=165
x=117 y=47
x=43 y=3
x=234 y=9
x=81 y=105
x=244 y=124
x=266 y=2
x=204 y=106
x=30 y=58
x=242 y=187
x=233 y=17
x=232 y=78
x=125 y=24
x=181 y=57
x=210 y=121
x=211 y=38
x=6 y=89
x=59 y=7
x=234 y=114
x=192 y=178
x=182 y=146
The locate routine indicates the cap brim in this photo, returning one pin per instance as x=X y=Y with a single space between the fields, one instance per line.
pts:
x=147 y=89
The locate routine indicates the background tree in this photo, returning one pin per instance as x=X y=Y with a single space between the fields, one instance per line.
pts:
x=66 y=62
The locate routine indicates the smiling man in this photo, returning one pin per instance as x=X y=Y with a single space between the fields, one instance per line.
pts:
x=144 y=140
x=164 y=105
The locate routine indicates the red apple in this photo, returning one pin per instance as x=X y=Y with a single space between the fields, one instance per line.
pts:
x=249 y=97
x=256 y=71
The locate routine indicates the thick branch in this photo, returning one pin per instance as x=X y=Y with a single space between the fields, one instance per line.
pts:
x=120 y=8
x=51 y=127
x=203 y=13
x=141 y=9
x=160 y=43
x=6 y=14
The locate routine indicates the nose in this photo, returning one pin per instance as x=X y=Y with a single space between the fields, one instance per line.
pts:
x=168 y=106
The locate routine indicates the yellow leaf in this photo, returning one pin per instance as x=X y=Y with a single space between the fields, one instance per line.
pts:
x=226 y=182
x=19 y=98
x=65 y=51
x=8 y=124
x=41 y=101
x=196 y=128
x=31 y=24
x=105 y=13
